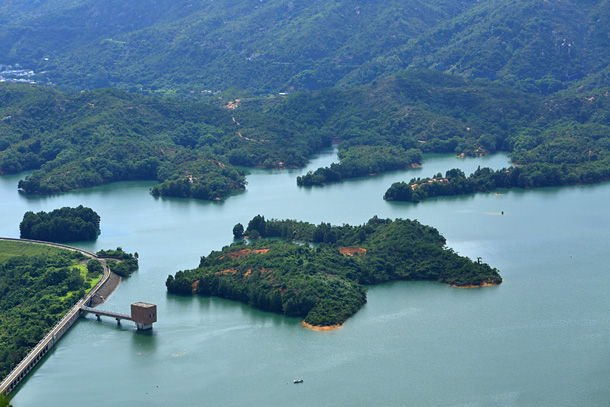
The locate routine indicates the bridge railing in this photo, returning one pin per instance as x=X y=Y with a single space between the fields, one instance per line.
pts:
x=106 y=313
x=56 y=331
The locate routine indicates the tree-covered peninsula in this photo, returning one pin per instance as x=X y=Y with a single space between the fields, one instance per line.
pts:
x=120 y=262
x=61 y=225
x=81 y=140
x=455 y=181
x=360 y=161
x=556 y=140
x=323 y=280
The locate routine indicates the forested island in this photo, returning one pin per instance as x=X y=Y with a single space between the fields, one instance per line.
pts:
x=38 y=285
x=61 y=225
x=322 y=278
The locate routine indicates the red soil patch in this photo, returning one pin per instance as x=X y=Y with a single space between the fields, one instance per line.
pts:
x=263 y=271
x=352 y=251
x=442 y=181
x=243 y=253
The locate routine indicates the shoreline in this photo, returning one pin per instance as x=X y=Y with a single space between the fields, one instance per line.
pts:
x=485 y=284
x=101 y=295
x=109 y=283
x=321 y=328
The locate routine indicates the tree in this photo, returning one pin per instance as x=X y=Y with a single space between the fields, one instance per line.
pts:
x=94 y=266
x=258 y=224
x=4 y=402
x=238 y=231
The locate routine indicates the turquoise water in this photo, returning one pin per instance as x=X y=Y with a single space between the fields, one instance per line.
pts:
x=539 y=339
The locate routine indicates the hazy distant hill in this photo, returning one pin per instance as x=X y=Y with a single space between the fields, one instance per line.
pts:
x=547 y=41
x=284 y=45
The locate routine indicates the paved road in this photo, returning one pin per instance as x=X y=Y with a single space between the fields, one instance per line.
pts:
x=36 y=354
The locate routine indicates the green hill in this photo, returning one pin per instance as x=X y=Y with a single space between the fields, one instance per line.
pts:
x=324 y=285
x=191 y=148
x=539 y=46
x=93 y=138
x=558 y=139
x=188 y=47
x=527 y=78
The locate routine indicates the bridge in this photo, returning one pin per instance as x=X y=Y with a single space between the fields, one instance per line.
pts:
x=98 y=313
x=42 y=348
x=142 y=313
x=144 y=317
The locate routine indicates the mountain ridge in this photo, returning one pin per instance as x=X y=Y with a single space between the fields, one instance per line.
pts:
x=185 y=47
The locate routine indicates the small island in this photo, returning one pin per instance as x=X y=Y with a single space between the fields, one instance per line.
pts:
x=318 y=272
x=61 y=225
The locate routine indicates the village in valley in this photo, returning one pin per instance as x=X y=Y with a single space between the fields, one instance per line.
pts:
x=17 y=73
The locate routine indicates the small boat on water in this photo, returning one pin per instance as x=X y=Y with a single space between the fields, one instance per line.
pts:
x=298 y=381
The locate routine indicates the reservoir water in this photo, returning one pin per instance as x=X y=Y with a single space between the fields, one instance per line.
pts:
x=539 y=339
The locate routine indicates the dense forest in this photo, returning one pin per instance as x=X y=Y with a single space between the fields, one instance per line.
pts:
x=360 y=161
x=81 y=140
x=192 y=148
x=556 y=140
x=455 y=182
x=61 y=225
x=192 y=48
x=387 y=81
x=38 y=285
x=125 y=263
x=323 y=283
